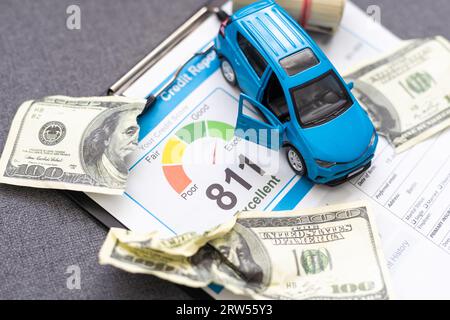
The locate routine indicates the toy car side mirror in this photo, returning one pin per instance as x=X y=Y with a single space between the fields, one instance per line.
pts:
x=350 y=85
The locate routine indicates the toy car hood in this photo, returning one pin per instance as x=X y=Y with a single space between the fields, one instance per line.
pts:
x=336 y=141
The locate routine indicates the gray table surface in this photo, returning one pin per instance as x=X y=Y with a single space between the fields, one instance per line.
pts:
x=42 y=232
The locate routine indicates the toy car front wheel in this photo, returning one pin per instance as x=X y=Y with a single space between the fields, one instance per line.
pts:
x=296 y=161
x=228 y=71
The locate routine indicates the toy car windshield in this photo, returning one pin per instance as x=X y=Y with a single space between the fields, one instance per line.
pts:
x=320 y=100
x=299 y=61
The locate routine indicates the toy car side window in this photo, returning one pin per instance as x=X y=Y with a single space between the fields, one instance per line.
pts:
x=275 y=100
x=253 y=56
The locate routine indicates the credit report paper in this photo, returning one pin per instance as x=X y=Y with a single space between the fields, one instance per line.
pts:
x=179 y=184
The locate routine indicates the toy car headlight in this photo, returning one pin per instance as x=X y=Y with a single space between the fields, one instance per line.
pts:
x=372 y=140
x=325 y=164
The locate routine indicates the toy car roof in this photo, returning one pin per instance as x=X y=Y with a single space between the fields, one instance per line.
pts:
x=276 y=34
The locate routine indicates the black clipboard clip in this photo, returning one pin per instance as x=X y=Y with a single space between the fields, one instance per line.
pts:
x=167 y=45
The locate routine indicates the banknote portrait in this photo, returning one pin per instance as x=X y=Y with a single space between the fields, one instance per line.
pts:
x=246 y=258
x=111 y=137
x=405 y=91
x=380 y=109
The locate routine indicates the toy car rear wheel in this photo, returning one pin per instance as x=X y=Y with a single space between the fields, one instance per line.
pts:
x=296 y=161
x=228 y=72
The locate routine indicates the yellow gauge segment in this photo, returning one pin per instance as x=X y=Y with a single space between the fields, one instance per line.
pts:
x=173 y=151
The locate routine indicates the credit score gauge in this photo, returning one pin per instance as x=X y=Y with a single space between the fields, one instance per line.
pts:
x=177 y=146
x=191 y=172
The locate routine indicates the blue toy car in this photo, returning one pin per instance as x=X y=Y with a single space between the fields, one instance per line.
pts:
x=289 y=80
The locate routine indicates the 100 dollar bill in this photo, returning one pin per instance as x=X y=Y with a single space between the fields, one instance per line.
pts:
x=72 y=143
x=324 y=253
x=406 y=92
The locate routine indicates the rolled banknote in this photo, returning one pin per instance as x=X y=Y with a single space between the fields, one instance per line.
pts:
x=72 y=143
x=323 y=253
x=406 y=91
x=315 y=15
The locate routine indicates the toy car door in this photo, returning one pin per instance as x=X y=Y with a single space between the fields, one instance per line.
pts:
x=258 y=124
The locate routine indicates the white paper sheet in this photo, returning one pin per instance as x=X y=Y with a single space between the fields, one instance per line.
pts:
x=410 y=194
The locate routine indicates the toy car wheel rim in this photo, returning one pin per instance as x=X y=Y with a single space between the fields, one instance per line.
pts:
x=295 y=161
x=228 y=71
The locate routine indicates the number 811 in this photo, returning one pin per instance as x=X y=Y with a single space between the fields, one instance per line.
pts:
x=217 y=192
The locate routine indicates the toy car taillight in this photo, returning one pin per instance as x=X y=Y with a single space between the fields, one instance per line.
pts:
x=223 y=25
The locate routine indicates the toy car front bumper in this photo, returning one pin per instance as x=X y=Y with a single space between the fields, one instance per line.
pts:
x=349 y=176
x=346 y=174
x=342 y=172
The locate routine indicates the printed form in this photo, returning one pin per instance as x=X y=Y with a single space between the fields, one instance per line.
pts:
x=168 y=191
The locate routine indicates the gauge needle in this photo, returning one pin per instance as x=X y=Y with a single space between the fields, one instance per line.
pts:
x=214 y=154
